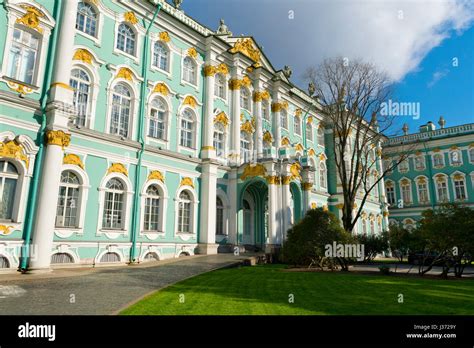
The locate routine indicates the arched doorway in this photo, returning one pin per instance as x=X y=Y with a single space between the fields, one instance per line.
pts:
x=252 y=221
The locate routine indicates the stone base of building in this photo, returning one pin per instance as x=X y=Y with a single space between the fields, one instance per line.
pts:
x=207 y=249
x=39 y=270
x=272 y=248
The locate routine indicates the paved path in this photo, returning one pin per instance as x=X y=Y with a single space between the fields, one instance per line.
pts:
x=404 y=269
x=100 y=290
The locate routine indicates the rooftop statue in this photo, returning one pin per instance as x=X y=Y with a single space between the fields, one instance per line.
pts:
x=287 y=71
x=223 y=29
x=177 y=3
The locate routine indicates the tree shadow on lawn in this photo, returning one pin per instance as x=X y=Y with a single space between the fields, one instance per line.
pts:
x=267 y=290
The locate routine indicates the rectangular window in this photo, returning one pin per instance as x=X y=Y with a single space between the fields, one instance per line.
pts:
x=186 y=134
x=23 y=56
x=442 y=189
x=157 y=124
x=406 y=194
x=422 y=193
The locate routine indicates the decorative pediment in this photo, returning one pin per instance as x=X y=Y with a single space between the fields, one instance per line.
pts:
x=83 y=55
x=251 y=171
x=192 y=53
x=285 y=141
x=161 y=88
x=299 y=147
x=267 y=137
x=6 y=230
x=298 y=112
x=246 y=47
x=247 y=127
x=117 y=168
x=156 y=175
x=311 y=152
x=130 y=17
x=164 y=36
x=10 y=149
x=124 y=73
x=73 y=159
x=191 y=101
x=31 y=18
x=222 y=119
x=186 y=182
x=295 y=170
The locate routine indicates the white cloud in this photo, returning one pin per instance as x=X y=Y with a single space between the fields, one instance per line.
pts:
x=395 y=35
x=437 y=75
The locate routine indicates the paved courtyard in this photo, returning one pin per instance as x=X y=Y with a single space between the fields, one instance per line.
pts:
x=98 y=291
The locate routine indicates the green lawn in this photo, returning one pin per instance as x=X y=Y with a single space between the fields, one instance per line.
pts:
x=266 y=290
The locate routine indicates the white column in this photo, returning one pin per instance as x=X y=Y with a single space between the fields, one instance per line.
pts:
x=235 y=145
x=274 y=224
x=207 y=235
x=232 y=192
x=208 y=150
x=60 y=90
x=285 y=200
x=307 y=184
x=57 y=138
x=258 y=124
x=43 y=232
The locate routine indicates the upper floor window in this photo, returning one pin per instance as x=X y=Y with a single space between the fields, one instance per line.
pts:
x=114 y=212
x=86 y=20
x=158 y=119
x=403 y=165
x=459 y=187
x=8 y=184
x=455 y=157
x=220 y=86
x=391 y=198
x=309 y=132
x=160 y=56
x=152 y=209
x=80 y=83
x=419 y=162
x=266 y=111
x=189 y=70
x=245 y=146
x=219 y=142
x=297 y=125
x=184 y=212
x=438 y=160
x=471 y=154
x=245 y=98
x=442 y=189
x=406 y=191
x=322 y=175
x=23 y=59
x=121 y=110
x=126 y=39
x=422 y=188
x=320 y=137
x=187 y=129
x=68 y=200
x=283 y=119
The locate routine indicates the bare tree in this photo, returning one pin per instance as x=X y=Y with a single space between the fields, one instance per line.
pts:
x=352 y=94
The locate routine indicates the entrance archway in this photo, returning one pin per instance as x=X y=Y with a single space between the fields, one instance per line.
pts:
x=252 y=216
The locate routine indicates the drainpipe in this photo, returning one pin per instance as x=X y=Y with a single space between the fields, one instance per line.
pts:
x=32 y=198
x=431 y=180
x=141 y=116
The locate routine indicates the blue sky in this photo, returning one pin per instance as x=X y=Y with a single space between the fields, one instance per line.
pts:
x=416 y=42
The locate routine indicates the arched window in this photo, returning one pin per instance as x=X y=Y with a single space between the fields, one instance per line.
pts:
x=121 y=109
x=406 y=191
x=86 y=20
x=219 y=140
x=24 y=56
x=187 y=129
x=364 y=226
x=442 y=188
x=372 y=225
x=322 y=175
x=297 y=125
x=68 y=200
x=459 y=187
x=320 y=137
x=220 y=86
x=283 y=119
x=160 y=56
x=219 y=216
x=184 y=212
x=158 y=119
x=80 y=83
x=309 y=131
x=8 y=185
x=245 y=98
x=152 y=209
x=110 y=257
x=245 y=146
x=58 y=258
x=438 y=160
x=126 y=39
x=266 y=111
x=189 y=70
x=114 y=214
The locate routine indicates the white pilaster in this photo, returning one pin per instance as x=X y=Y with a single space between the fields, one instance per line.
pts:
x=257 y=107
x=208 y=150
x=207 y=235
x=235 y=144
x=233 y=206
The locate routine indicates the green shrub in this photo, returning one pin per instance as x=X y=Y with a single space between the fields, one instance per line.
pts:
x=384 y=269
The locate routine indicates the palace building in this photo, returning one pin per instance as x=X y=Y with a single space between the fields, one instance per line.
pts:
x=439 y=169
x=131 y=134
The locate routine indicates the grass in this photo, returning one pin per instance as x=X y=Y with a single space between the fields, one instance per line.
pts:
x=266 y=290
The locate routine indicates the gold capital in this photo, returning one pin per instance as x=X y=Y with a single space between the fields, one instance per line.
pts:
x=58 y=138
